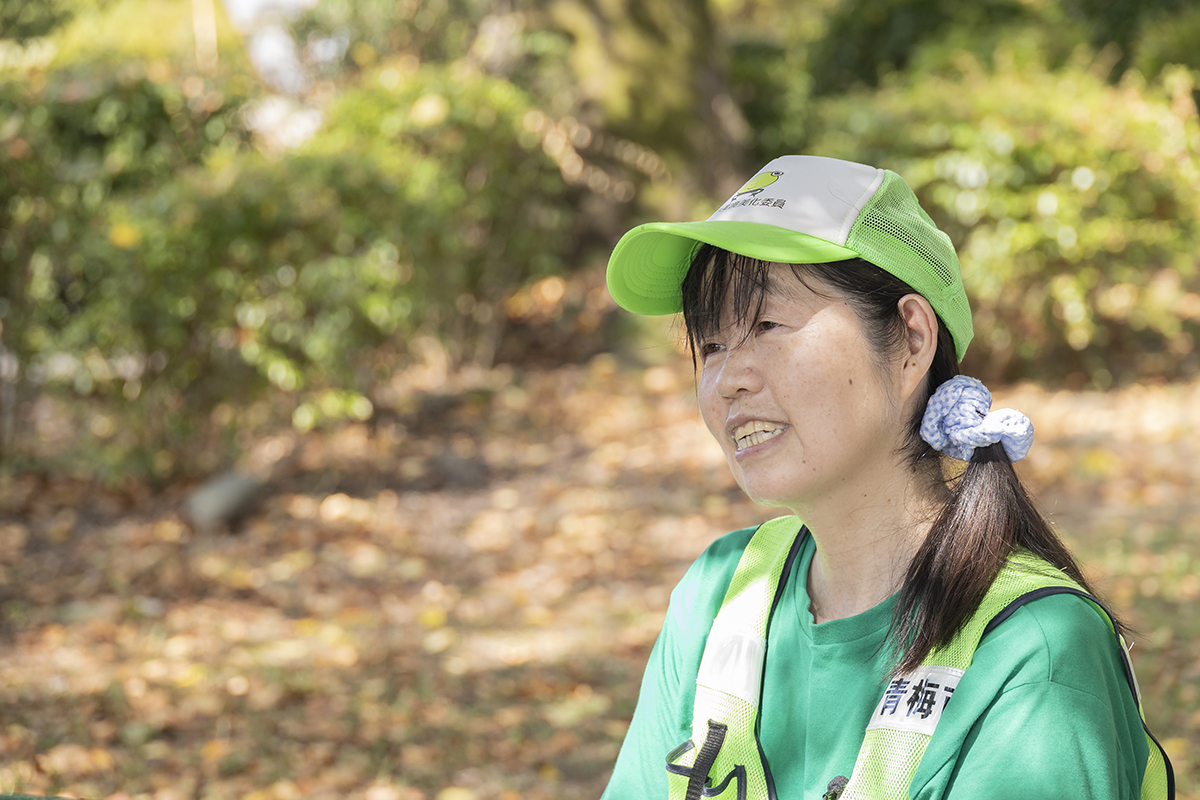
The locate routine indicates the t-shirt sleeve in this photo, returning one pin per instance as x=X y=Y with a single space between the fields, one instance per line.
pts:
x=636 y=773
x=1064 y=723
x=662 y=718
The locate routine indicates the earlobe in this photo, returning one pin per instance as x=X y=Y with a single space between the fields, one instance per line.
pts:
x=922 y=334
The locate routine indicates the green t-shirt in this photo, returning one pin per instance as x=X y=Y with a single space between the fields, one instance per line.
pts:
x=1044 y=710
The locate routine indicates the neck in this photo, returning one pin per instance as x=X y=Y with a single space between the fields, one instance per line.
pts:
x=864 y=549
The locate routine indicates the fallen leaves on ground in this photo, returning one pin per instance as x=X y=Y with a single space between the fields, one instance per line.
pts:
x=456 y=602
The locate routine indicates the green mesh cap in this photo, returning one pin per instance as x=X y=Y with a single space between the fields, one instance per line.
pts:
x=802 y=210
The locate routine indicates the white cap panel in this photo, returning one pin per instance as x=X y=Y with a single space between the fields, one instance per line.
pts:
x=809 y=194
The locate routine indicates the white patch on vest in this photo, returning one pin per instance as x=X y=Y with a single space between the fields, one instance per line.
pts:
x=733 y=661
x=915 y=702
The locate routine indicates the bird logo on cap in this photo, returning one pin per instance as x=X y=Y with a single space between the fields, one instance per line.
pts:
x=758 y=183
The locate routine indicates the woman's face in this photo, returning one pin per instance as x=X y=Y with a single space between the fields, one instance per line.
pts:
x=799 y=403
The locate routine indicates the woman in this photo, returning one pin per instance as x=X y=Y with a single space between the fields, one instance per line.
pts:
x=817 y=656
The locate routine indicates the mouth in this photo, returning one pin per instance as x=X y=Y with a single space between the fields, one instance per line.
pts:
x=755 y=432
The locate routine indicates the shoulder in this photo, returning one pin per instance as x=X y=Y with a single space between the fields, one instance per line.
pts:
x=1044 y=710
x=1061 y=639
x=1056 y=646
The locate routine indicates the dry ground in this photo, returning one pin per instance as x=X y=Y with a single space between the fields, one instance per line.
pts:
x=455 y=602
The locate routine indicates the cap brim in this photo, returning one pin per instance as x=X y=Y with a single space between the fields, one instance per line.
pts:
x=648 y=265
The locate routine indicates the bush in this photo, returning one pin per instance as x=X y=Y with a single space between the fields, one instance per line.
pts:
x=74 y=144
x=418 y=207
x=1072 y=202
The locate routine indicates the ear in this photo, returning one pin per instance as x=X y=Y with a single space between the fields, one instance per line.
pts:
x=922 y=335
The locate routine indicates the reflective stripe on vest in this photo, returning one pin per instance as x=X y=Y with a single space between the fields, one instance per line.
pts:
x=728 y=763
x=730 y=677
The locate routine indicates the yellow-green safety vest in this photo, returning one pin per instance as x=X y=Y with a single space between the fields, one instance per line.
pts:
x=723 y=759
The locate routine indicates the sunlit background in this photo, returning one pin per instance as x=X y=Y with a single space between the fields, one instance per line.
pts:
x=328 y=467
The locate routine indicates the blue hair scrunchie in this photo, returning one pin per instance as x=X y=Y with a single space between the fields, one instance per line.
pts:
x=957 y=420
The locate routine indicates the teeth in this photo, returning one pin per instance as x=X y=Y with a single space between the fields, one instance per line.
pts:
x=755 y=432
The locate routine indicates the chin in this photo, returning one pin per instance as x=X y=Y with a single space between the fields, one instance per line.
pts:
x=765 y=496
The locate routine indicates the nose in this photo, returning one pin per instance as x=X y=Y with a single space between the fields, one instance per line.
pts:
x=737 y=373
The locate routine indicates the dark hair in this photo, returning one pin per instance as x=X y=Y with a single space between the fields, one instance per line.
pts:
x=988 y=513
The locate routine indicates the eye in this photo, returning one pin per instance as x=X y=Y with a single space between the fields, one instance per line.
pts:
x=709 y=348
x=764 y=325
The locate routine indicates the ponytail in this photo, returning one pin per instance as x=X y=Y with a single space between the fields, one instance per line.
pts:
x=988 y=515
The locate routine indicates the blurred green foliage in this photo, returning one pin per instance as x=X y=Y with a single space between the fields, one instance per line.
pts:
x=172 y=267
x=79 y=304
x=175 y=243
x=863 y=41
x=578 y=58
x=22 y=21
x=1077 y=227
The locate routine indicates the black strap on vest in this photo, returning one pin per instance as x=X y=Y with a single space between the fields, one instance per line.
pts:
x=705 y=758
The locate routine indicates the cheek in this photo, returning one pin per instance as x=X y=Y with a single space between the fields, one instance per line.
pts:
x=838 y=389
x=711 y=407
